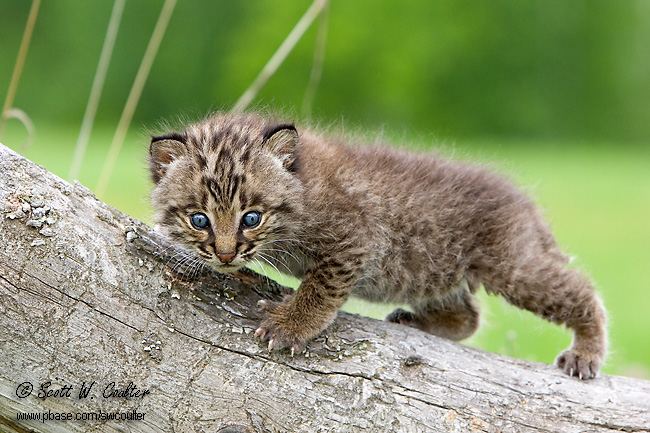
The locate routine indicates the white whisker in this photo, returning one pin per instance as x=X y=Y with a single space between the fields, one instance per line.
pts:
x=195 y=268
x=278 y=260
x=281 y=251
x=289 y=240
x=264 y=257
x=262 y=268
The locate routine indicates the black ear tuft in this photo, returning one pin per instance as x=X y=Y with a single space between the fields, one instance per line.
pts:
x=175 y=136
x=271 y=130
x=282 y=141
x=163 y=150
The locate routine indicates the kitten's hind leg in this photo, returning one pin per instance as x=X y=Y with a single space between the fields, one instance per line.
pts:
x=455 y=316
x=547 y=288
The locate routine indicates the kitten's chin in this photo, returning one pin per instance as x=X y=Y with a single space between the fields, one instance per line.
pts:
x=226 y=269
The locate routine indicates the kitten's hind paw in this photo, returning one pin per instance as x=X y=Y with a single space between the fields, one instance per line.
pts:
x=583 y=366
x=401 y=316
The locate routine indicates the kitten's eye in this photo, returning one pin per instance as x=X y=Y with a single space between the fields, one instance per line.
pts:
x=199 y=220
x=251 y=219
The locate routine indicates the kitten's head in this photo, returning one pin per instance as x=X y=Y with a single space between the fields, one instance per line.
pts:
x=226 y=187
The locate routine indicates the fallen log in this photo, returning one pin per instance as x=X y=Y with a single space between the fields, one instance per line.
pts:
x=103 y=329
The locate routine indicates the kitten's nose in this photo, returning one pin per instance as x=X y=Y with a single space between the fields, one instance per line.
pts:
x=226 y=257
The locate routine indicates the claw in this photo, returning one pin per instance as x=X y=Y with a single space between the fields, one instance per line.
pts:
x=259 y=332
x=271 y=344
x=293 y=350
x=262 y=303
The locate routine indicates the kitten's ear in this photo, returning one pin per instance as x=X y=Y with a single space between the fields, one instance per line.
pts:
x=163 y=150
x=282 y=141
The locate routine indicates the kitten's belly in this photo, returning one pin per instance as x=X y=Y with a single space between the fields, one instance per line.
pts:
x=402 y=285
x=411 y=272
x=389 y=277
x=380 y=292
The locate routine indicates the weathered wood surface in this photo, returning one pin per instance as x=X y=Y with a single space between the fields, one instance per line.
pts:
x=86 y=296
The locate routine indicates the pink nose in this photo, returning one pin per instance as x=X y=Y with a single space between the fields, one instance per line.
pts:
x=226 y=257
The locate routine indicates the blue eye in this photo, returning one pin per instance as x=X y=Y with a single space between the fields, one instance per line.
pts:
x=199 y=220
x=251 y=219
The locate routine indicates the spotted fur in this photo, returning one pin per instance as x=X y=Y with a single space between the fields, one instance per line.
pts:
x=375 y=222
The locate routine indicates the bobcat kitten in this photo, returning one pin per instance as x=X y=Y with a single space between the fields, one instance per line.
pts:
x=369 y=221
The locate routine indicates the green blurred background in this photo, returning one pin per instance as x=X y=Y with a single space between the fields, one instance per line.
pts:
x=554 y=93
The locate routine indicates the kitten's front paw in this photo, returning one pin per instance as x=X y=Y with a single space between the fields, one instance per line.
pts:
x=574 y=363
x=280 y=329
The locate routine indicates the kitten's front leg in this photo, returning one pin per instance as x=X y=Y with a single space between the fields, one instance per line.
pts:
x=298 y=319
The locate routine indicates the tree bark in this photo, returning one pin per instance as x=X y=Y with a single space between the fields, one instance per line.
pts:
x=93 y=299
